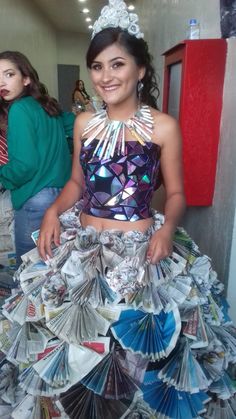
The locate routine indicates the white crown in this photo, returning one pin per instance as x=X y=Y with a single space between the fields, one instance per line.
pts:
x=116 y=15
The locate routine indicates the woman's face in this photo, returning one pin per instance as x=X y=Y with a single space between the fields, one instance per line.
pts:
x=115 y=74
x=12 y=83
x=81 y=85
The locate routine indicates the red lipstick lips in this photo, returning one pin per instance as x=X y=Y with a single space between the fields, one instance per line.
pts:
x=3 y=92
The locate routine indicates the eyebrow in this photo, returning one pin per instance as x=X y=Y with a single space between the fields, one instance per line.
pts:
x=113 y=59
x=9 y=69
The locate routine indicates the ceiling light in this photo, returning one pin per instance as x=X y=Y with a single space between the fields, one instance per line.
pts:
x=90 y=26
x=131 y=7
x=85 y=10
x=82 y=1
x=88 y=19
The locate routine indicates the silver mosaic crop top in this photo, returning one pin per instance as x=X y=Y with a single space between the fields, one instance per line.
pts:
x=121 y=187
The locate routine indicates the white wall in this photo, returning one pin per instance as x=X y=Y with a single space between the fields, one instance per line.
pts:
x=164 y=23
x=24 y=29
x=228 y=172
x=72 y=48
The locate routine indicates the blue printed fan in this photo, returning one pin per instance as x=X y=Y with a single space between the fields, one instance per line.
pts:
x=54 y=368
x=183 y=371
x=109 y=379
x=168 y=402
x=153 y=336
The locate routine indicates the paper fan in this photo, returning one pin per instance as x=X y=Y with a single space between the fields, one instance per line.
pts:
x=66 y=364
x=109 y=380
x=27 y=341
x=95 y=291
x=221 y=409
x=171 y=266
x=33 y=384
x=32 y=407
x=81 y=403
x=75 y=323
x=185 y=245
x=20 y=308
x=227 y=337
x=168 y=402
x=53 y=368
x=224 y=387
x=153 y=336
x=184 y=372
x=8 y=382
x=152 y=299
x=213 y=364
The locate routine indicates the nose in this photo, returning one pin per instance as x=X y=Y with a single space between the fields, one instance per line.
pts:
x=106 y=74
x=2 y=82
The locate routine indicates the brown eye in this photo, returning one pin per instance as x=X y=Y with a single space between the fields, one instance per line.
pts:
x=117 y=64
x=96 y=67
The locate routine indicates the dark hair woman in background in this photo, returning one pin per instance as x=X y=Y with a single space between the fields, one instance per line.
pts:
x=80 y=97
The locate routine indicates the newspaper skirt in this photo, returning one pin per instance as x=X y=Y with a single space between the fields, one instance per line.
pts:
x=100 y=333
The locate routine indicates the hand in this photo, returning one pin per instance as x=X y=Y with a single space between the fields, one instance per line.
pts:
x=160 y=245
x=49 y=233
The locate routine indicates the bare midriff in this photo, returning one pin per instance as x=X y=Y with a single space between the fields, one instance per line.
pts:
x=101 y=224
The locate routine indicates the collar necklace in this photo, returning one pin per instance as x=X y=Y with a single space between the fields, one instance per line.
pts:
x=112 y=132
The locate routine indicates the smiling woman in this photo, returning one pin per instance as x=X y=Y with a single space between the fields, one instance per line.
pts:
x=138 y=325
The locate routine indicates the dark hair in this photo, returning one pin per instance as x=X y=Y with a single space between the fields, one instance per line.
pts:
x=138 y=48
x=35 y=88
x=83 y=91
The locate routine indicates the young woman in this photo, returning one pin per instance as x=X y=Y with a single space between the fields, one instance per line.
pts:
x=80 y=96
x=142 y=328
x=39 y=162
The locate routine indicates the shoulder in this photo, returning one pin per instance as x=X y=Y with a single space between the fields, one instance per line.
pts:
x=21 y=104
x=82 y=120
x=24 y=110
x=166 y=128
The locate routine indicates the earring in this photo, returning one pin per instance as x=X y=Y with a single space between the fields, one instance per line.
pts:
x=140 y=86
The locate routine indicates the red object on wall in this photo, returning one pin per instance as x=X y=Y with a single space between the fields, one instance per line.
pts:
x=197 y=86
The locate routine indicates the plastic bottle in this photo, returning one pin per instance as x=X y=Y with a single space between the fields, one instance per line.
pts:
x=193 y=30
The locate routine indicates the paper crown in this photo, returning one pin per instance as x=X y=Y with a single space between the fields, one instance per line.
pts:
x=116 y=15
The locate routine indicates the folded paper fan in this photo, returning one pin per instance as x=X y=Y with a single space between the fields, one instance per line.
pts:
x=167 y=402
x=53 y=368
x=75 y=323
x=225 y=387
x=81 y=403
x=221 y=409
x=153 y=336
x=152 y=299
x=110 y=380
x=27 y=341
x=95 y=291
x=32 y=407
x=32 y=383
x=184 y=245
x=184 y=372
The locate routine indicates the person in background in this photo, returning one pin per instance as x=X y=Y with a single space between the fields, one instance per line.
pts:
x=39 y=162
x=80 y=98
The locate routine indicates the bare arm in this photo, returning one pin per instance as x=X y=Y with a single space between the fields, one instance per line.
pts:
x=168 y=136
x=70 y=194
x=78 y=96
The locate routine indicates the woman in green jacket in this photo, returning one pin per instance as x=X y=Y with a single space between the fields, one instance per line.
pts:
x=39 y=161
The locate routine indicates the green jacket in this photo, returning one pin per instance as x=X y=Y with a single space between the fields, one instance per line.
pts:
x=37 y=149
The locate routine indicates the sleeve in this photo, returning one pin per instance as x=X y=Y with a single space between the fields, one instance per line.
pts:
x=68 y=119
x=22 y=148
